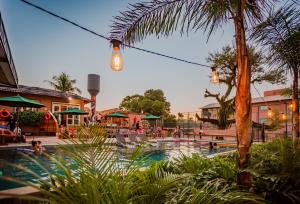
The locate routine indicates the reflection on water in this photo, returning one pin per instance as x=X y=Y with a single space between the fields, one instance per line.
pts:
x=151 y=153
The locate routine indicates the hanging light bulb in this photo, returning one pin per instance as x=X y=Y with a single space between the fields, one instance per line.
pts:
x=116 y=58
x=214 y=76
x=270 y=113
x=283 y=116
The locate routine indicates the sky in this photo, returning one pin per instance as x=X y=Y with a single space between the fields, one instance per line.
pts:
x=44 y=46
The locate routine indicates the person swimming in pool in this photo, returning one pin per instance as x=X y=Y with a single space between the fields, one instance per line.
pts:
x=37 y=147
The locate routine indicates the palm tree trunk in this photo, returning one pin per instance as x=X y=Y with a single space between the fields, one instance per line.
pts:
x=295 y=103
x=243 y=96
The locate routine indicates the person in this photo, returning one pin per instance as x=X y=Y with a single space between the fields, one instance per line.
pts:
x=18 y=132
x=137 y=125
x=86 y=122
x=12 y=123
x=179 y=132
x=98 y=119
x=37 y=147
x=212 y=147
x=40 y=146
x=36 y=150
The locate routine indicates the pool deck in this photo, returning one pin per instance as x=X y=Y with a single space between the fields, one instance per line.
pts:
x=54 y=141
x=21 y=191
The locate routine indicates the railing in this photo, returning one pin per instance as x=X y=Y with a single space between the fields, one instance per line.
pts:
x=4 y=41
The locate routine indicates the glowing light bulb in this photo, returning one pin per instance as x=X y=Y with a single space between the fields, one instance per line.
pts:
x=283 y=116
x=270 y=113
x=214 y=76
x=116 y=58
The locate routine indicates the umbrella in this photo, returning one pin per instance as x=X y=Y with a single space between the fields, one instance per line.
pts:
x=117 y=115
x=19 y=101
x=74 y=111
x=151 y=117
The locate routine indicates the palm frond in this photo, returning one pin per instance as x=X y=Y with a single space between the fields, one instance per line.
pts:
x=63 y=83
x=279 y=34
x=163 y=17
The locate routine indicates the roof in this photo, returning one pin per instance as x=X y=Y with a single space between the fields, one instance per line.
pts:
x=254 y=100
x=22 y=89
x=8 y=74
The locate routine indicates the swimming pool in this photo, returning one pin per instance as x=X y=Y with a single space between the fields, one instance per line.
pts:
x=165 y=151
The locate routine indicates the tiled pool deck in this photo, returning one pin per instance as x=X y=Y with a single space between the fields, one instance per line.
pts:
x=54 y=141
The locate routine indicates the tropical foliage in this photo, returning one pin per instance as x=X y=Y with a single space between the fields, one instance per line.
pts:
x=30 y=118
x=163 y=17
x=225 y=62
x=64 y=83
x=276 y=169
x=92 y=173
x=153 y=102
x=280 y=36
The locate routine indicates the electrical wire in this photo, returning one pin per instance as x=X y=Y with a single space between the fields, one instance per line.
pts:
x=109 y=39
x=259 y=94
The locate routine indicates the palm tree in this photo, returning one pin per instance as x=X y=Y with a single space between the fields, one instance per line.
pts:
x=63 y=83
x=280 y=33
x=163 y=17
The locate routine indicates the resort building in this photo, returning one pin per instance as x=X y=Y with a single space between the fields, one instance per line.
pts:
x=272 y=106
x=54 y=101
x=8 y=74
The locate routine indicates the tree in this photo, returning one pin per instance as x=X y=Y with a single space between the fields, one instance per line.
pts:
x=153 y=102
x=64 y=83
x=163 y=17
x=280 y=34
x=225 y=62
x=180 y=116
x=132 y=103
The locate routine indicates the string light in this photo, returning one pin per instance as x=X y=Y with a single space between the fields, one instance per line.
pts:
x=108 y=38
x=116 y=58
x=214 y=76
x=270 y=113
x=283 y=116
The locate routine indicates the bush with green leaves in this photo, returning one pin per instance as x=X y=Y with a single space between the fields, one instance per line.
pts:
x=30 y=118
x=276 y=170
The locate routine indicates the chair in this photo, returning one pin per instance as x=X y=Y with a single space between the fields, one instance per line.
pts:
x=121 y=140
x=6 y=135
x=133 y=139
x=144 y=139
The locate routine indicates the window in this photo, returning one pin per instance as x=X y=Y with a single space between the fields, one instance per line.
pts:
x=263 y=120
x=264 y=107
x=56 y=108
x=66 y=119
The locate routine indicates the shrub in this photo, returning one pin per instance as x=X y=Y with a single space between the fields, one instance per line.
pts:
x=276 y=170
x=91 y=174
x=31 y=118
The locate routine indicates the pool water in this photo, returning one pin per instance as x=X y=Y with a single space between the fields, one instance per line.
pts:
x=166 y=151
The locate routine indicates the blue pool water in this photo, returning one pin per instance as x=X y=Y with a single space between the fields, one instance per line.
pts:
x=166 y=151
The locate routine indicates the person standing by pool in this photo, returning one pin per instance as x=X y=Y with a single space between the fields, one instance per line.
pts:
x=12 y=123
x=179 y=131
x=18 y=133
x=137 y=125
